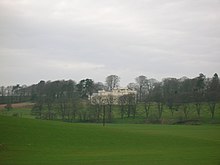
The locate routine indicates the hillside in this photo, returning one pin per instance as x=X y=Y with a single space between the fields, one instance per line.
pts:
x=28 y=141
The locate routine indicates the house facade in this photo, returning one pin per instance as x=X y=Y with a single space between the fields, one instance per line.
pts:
x=111 y=97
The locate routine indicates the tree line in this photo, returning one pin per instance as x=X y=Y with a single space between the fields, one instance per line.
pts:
x=68 y=100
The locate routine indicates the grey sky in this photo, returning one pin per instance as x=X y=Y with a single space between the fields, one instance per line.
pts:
x=76 y=39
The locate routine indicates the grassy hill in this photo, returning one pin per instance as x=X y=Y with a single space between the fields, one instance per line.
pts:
x=28 y=141
x=23 y=110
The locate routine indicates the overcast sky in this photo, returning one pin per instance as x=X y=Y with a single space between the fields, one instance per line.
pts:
x=76 y=39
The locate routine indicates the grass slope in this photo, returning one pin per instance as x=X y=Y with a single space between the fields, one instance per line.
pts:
x=30 y=142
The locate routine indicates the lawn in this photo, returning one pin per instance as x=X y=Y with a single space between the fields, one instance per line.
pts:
x=19 y=109
x=37 y=142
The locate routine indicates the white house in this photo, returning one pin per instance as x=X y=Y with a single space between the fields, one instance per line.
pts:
x=111 y=97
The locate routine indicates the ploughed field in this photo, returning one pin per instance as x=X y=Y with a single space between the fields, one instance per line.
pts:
x=39 y=142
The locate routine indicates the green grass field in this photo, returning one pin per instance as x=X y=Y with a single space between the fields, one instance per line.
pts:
x=23 y=110
x=38 y=142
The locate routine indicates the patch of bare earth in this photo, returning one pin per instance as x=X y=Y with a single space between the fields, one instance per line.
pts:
x=18 y=105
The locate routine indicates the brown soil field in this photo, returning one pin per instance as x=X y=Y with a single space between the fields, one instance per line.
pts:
x=18 y=105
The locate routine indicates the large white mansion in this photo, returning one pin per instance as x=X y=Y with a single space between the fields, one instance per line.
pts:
x=111 y=97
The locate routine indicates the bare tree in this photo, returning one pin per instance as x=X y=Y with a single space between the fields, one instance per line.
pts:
x=158 y=97
x=170 y=89
x=147 y=105
x=198 y=92
x=122 y=103
x=112 y=81
x=110 y=101
x=133 y=86
x=131 y=98
x=186 y=109
x=212 y=94
x=142 y=84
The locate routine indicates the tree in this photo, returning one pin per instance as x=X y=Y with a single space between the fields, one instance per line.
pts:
x=110 y=101
x=212 y=94
x=70 y=88
x=170 y=88
x=83 y=113
x=122 y=103
x=185 y=99
x=38 y=97
x=198 y=92
x=103 y=103
x=2 y=91
x=53 y=91
x=97 y=102
x=112 y=82
x=98 y=86
x=86 y=87
x=131 y=99
x=37 y=109
x=15 y=93
x=3 y=94
x=74 y=109
x=133 y=86
x=185 y=95
x=63 y=104
x=148 y=98
x=151 y=84
x=142 y=85
x=158 y=97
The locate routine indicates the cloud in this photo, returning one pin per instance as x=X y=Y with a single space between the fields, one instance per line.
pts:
x=96 y=38
x=73 y=65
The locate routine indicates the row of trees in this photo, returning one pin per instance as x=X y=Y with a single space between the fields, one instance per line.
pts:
x=14 y=94
x=68 y=100
x=176 y=93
